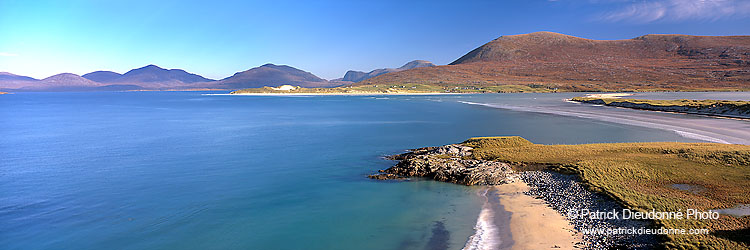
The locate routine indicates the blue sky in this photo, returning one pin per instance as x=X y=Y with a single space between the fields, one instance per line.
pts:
x=218 y=38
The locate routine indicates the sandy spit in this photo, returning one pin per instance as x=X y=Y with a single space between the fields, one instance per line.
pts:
x=608 y=95
x=344 y=94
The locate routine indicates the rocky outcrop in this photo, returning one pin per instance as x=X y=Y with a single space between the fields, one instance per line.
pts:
x=447 y=164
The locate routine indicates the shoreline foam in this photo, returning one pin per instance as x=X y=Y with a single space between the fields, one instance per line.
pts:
x=511 y=219
x=487 y=234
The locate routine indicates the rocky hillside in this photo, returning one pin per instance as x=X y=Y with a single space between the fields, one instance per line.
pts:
x=357 y=76
x=271 y=75
x=557 y=61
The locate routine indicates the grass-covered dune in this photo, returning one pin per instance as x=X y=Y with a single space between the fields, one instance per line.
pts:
x=738 y=109
x=641 y=176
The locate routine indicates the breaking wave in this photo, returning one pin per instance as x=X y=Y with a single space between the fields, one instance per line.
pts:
x=699 y=137
x=486 y=236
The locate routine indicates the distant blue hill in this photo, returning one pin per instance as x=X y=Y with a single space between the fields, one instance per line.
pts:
x=272 y=75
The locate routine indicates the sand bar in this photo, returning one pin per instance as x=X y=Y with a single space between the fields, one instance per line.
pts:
x=608 y=95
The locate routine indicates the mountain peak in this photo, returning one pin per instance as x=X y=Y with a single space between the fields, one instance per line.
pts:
x=532 y=45
x=278 y=67
x=8 y=79
x=102 y=76
x=62 y=76
x=271 y=75
x=572 y=63
x=153 y=77
x=3 y=73
x=416 y=64
x=67 y=80
x=539 y=36
x=149 y=67
x=546 y=33
x=357 y=76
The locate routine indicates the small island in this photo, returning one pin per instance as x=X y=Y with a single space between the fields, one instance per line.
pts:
x=722 y=108
x=659 y=176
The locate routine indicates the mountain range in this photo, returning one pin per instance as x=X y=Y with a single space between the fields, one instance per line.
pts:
x=545 y=60
x=357 y=76
x=556 y=61
x=148 y=77
x=59 y=82
x=152 y=77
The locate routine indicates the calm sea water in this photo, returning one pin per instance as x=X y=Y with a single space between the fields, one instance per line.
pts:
x=181 y=170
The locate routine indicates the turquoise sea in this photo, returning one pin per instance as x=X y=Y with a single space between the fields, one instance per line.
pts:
x=183 y=170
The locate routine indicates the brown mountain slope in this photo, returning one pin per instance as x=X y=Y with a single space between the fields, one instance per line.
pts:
x=551 y=60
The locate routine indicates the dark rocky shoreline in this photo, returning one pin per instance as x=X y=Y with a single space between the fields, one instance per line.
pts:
x=446 y=164
x=561 y=192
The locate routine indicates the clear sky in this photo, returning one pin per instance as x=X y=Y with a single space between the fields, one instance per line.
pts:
x=218 y=38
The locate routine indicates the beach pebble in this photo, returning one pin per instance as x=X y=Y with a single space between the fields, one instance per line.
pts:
x=565 y=193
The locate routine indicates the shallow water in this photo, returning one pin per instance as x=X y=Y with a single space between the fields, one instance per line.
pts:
x=738 y=210
x=181 y=170
x=697 y=127
x=696 y=189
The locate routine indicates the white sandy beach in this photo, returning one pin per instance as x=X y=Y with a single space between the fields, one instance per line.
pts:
x=512 y=220
x=533 y=224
